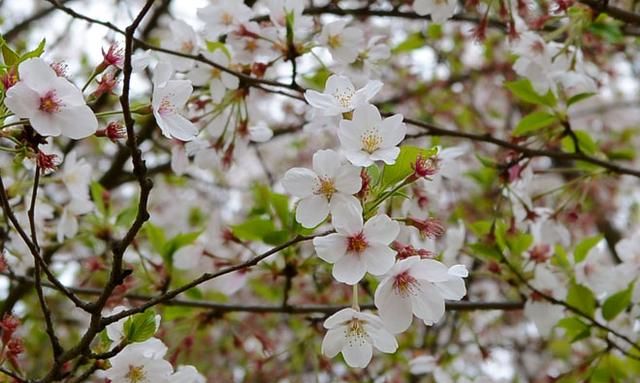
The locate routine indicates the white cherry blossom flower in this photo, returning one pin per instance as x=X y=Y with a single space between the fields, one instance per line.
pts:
x=187 y=374
x=343 y=42
x=355 y=334
x=68 y=225
x=358 y=248
x=340 y=96
x=329 y=186
x=53 y=105
x=368 y=138
x=440 y=10
x=182 y=39
x=419 y=287
x=223 y=16
x=76 y=175
x=169 y=96
x=544 y=314
x=217 y=80
x=140 y=363
x=252 y=43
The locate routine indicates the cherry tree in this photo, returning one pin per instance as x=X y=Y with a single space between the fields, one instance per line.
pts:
x=270 y=191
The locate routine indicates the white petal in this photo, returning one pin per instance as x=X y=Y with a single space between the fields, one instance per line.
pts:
x=333 y=342
x=324 y=102
x=349 y=269
x=379 y=258
x=348 y=219
x=176 y=126
x=357 y=354
x=365 y=94
x=330 y=247
x=428 y=304
x=36 y=74
x=381 y=229
x=430 y=270
x=338 y=84
x=348 y=180
x=340 y=318
x=395 y=310
x=361 y=158
x=388 y=155
x=392 y=130
x=326 y=163
x=459 y=271
x=350 y=136
x=382 y=339
x=299 y=182
x=22 y=100
x=453 y=289
x=44 y=124
x=312 y=211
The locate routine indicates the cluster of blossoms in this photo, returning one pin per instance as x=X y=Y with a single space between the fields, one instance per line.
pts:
x=410 y=286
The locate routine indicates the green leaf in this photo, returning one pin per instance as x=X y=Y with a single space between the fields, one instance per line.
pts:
x=585 y=142
x=414 y=41
x=253 y=229
x=175 y=243
x=575 y=329
x=402 y=168
x=140 y=327
x=97 y=195
x=34 y=53
x=9 y=56
x=486 y=252
x=581 y=298
x=607 y=31
x=156 y=237
x=583 y=248
x=579 y=97
x=212 y=46
x=318 y=79
x=523 y=90
x=533 y=122
x=616 y=303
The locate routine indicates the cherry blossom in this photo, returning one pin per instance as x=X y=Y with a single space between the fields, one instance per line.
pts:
x=223 y=16
x=168 y=97
x=140 y=363
x=440 y=10
x=544 y=314
x=343 y=42
x=419 y=287
x=327 y=188
x=368 y=138
x=355 y=334
x=219 y=82
x=358 y=248
x=183 y=39
x=52 y=104
x=340 y=96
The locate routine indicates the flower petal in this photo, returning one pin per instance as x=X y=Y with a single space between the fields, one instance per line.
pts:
x=347 y=179
x=430 y=270
x=333 y=342
x=311 y=211
x=349 y=269
x=427 y=303
x=22 y=100
x=388 y=155
x=330 y=247
x=348 y=219
x=379 y=258
x=326 y=163
x=381 y=229
x=36 y=74
x=358 y=353
x=299 y=182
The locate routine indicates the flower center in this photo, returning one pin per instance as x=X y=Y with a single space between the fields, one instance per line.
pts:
x=404 y=284
x=50 y=103
x=371 y=140
x=227 y=19
x=215 y=73
x=357 y=243
x=325 y=187
x=251 y=46
x=186 y=47
x=344 y=98
x=538 y=47
x=334 y=41
x=355 y=332
x=166 y=107
x=136 y=374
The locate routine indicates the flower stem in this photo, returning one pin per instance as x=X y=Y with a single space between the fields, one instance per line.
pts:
x=354 y=303
x=91 y=78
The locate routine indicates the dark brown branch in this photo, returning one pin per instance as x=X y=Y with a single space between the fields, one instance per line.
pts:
x=56 y=348
x=272 y=309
